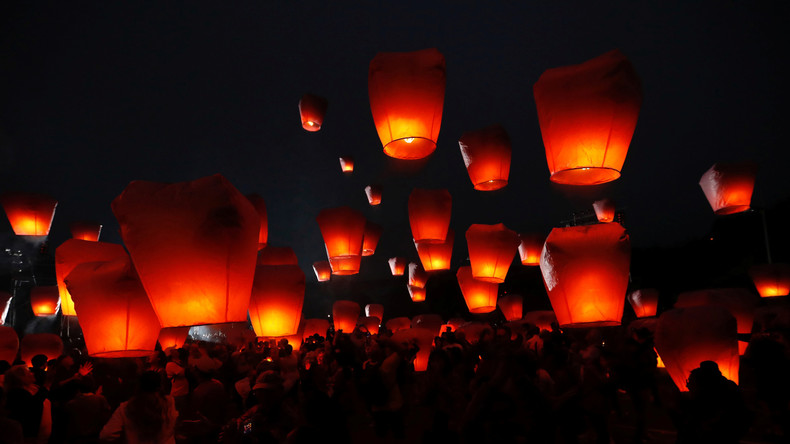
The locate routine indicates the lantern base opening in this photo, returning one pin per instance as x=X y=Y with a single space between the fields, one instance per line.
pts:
x=410 y=148
x=732 y=210
x=585 y=176
x=123 y=354
x=345 y=265
x=481 y=310
x=591 y=324
x=489 y=279
x=491 y=185
x=311 y=126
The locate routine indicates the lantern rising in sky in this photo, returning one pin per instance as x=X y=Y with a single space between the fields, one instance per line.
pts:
x=604 y=210
x=74 y=252
x=84 y=230
x=511 y=306
x=491 y=250
x=417 y=275
x=323 y=271
x=644 y=302
x=277 y=300
x=429 y=215
x=371 y=238
x=44 y=300
x=30 y=214
x=529 y=248
x=376 y=310
x=436 y=257
x=397 y=266
x=771 y=279
x=260 y=207
x=347 y=164
x=417 y=294
x=480 y=296
x=373 y=192
x=371 y=323
x=345 y=315
x=312 y=109
x=486 y=153
x=729 y=186
x=343 y=230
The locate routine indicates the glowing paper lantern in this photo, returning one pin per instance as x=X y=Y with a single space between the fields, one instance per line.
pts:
x=9 y=344
x=687 y=336
x=371 y=238
x=277 y=256
x=74 y=252
x=30 y=214
x=740 y=302
x=371 y=323
x=480 y=296
x=529 y=248
x=430 y=322
x=315 y=327
x=193 y=245
x=345 y=315
x=728 y=186
x=447 y=327
x=540 y=318
x=116 y=316
x=771 y=279
x=173 y=337
x=512 y=306
x=5 y=304
x=491 y=250
x=397 y=266
x=323 y=271
x=376 y=310
x=429 y=215
x=644 y=302
x=417 y=275
x=587 y=115
x=604 y=210
x=347 y=164
x=456 y=323
x=374 y=194
x=87 y=231
x=417 y=294
x=398 y=324
x=343 y=230
x=406 y=91
x=420 y=337
x=486 y=154
x=47 y=344
x=277 y=300
x=312 y=109
x=44 y=300
x=260 y=208
x=648 y=323
x=436 y=257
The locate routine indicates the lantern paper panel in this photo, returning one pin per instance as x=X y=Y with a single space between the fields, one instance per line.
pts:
x=315 y=327
x=417 y=294
x=373 y=192
x=729 y=186
x=260 y=208
x=486 y=154
x=647 y=323
x=585 y=271
x=294 y=340
x=429 y=215
x=540 y=318
x=455 y=323
x=604 y=210
x=371 y=323
x=343 y=230
x=277 y=256
x=173 y=337
x=84 y=230
x=194 y=245
x=771 y=279
x=312 y=109
x=9 y=344
x=430 y=322
x=45 y=300
x=406 y=91
x=420 y=338
x=323 y=271
x=529 y=248
x=644 y=302
x=376 y=310
x=5 y=304
x=512 y=306
x=435 y=257
x=30 y=214
x=417 y=275
x=347 y=164
x=397 y=266
x=47 y=344
x=480 y=296
x=277 y=300
x=397 y=324
x=491 y=251
x=371 y=238
x=740 y=302
x=345 y=315
x=587 y=115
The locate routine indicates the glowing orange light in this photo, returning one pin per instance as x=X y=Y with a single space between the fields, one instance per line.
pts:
x=771 y=279
x=644 y=302
x=345 y=315
x=277 y=299
x=480 y=296
x=738 y=301
x=260 y=208
x=429 y=215
x=511 y=306
x=45 y=300
x=343 y=230
x=371 y=323
x=371 y=238
x=604 y=210
x=30 y=214
x=87 y=231
x=315 y=327
x=729 y=186
x=323 y=271
x=417 y=275
x=486 y=154
x=74 y=252
x=312 y=110
x=420 y=337
x=491 y=250
x=347 y=164
x=376 y=310
x=173 y=337
x=436 y=257
x=417 y=294
x=529 y=248
x=374 y=194
x=397 y=266
x=277 y=256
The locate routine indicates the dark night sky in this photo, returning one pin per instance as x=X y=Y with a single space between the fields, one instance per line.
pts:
x=94 y=96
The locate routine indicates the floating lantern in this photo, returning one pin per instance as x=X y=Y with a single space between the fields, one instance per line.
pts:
x=30 y=214
x=277 y=256
x=540 y=318
x=47 y=344
x=474 y=330
x=74 y=252
x=422 y=339
x=193 y=245
x=376 y=310
x=512 y=306
x=347 y=164
x=315 y=327
x=312 y=110
x=295 y=340
x=406 y=91
x=323 y=271
x=604 y=210
x=260 y=207
x=435 y=257
x=374 y=194
x=587 y=115
x=429 y=215
x=417 y=294
x=486 y=154
x=529 y=248
x=371 y=323
x=491 y=250
x=44 y=300
x=173 y=337
x=371 y=238
x=480 y=296
x=397 y=266
x=417 y=275
x=740 y=302
x=5 y=304
x=687 y=336
x=87 y=231
x=771 y=279
x=343 y=230
x=647 y=323
x=585 y=270
x=277 y=300
x=430 y=322
x=728 y=186
x=345 y=315
x=644 y=302
x=9 y=344
x=398 y=324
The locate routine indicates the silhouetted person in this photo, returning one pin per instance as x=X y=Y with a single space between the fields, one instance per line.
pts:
x=148 y=417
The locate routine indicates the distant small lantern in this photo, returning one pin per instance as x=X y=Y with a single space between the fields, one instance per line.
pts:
x=491 y=250
x=585 y=270
x=277 y=300
x=260 y=208
x=277 y=256
x=480 y=296
x=374 y=194
x=312 y=110
x=47 y=344
x=729 y=186
x=173 y=337
x=424 y=342
x=343 y=230
x=429 y=215
x=345 y=315
x=540 y=318
x=417 y=275
x=435 y=257
x=315 y=327
x=397 y=266
x=371 y=323
x=604 y=210
x=406 y=91
x=5 y=303
x=512 y=306
x=587 y=115
x=376 y=310
x=486 y=154
x=9 y=344
x=771 y=279
x=371 y=238
x=74 y=252
x=347 y=164
x=644 y=302
x=431 y=322
x=740 y=302
x=529 y=248
x=44 y=300
x=417 y=294
x=397 y=324
x=323 y=271
x=87 y=231
x=30 y=214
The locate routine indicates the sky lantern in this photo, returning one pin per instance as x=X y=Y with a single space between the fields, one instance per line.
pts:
x=376 y=310
x=44 y=300
x=687 y=336
x=587 y=115
x=194 y=245
x=480 y=296
x=347 y=164
x=435 y=257
x=74 y=252
x=84 y=230
x=486 y=154
x=740 y=302
x=277 y=300
x=374 y=194
x=540 y=318
x=585 y=270
x=260 y=207
x=604 y=210
x=47 y=344
x=417 y=294
x=173 y=337
x=371 y=323
x=115 y=314
x=406 y=91
x=312 y=110
x=491 y=250
x=30 y=214
x=294 y=340
x=644 y=302
x=343 y=230
x=512 y=306
x=397 y=324
x=323 y=271
x=315 y=327
x=397 y=266
x=429 y=215
x=9 y=344
x=771 y=279
x=529 y=248
x=423 y=339
x=371 y=238
x=277 y=256
x=728 y=186
x=345 y=315
x=5 y=304
x=431 y=322
x=417 y=275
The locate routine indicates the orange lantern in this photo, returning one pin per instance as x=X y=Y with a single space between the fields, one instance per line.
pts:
x=480 y=296
x=604 y=210
x=474 y=330
x=260 y=207
x=347 y=164
x=398 y=324
x=371 y=238
x=512 y=306
x=343 y=230
x=422 y=339
x=587 y=115
x=436 y=257
x=376 y=310
x=173 y=337
x=44 y=300
x=429 y=215
x=771 y=279
x=644 y=302
x=116 y=316
x=312 y=110
x=455 y=323
x=728 y=186
x=447 y=327
x=87 y=231
x=740 y=302
x=430 y=322
x=30 y=214
x=540 y=318
x=659 y=361
x=5 y=304
x=315 y=327
x=74 y=252
x=585 y=270
x=529 y=249
x=371 y=323
x=406 y=91
x=397 y=266
x=374 y=194
x=687 y=336
x=417 y=294
x=323 y=271
x=277 y=300
x=47 y=344
x=486 y=154
x=193 y=245
x=491 y=250
x=277 y=256
x=9 y=344
x=345 y=315
x=417 y=275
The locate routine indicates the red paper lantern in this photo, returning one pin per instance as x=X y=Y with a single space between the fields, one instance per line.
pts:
x=323 y=271
x=406 y=91
x=371 y=323
x=587 y=115
x=87 y=231
x=294 y=340
x=193 y=245
x=422 y=339
x=315 y=327
x=374 y=194
x=430 y=322
x=260 y=207
x=47 y=344
x=417 y=294
x=371 y=238
x=398 y=324
x=44 y=300
x=644 y=302
x=277 y=256
x=585 y=270
x=429 y=215
x=277 y=300
x=740 y=302
x=604 y=210
x=491 y=250
x=530 y=246
x=771 y=279
x=417 y=275
x=397 y=266
x=729 y=186
x=312 y=110
x=30 y=214
x=480 y=296
x=540 y=318
x=512 y=306
x=343 y=230
x=435 y=257
x=345 y=315
x=173 y=337
x=346 y=164
x=9 y=344
x=486 y=154
x=376 y=310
